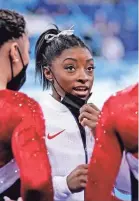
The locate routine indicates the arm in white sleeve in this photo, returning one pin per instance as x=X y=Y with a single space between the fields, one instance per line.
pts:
x=61 y=190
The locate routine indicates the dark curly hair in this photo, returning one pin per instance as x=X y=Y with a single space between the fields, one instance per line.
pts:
x=12 y=25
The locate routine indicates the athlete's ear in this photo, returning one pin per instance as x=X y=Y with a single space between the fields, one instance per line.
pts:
x=14 y=52
x=48 y=74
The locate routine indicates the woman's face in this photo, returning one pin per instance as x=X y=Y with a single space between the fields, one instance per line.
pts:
x=73 y=71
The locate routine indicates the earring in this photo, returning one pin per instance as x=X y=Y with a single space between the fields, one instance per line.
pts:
x=51 y=80
x=15 y=60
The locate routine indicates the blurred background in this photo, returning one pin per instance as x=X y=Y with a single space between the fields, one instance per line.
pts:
x=109 y=27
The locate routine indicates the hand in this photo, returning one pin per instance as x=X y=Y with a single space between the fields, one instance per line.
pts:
x=77 y=179
x=89 y=114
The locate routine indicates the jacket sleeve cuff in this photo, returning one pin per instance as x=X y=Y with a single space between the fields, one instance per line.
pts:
x=61 y=190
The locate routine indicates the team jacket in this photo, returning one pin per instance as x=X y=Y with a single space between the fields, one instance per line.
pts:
x=22 y=127
x=117 y=130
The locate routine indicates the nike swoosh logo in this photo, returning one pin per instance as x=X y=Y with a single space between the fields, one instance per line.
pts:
x=55 y=135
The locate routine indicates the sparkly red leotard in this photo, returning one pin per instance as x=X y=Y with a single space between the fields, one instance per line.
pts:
x=118 y=125
x=21 y=120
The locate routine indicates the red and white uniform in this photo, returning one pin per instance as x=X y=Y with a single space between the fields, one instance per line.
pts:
x=65 y=147
x=22 y=125
x=118 y=122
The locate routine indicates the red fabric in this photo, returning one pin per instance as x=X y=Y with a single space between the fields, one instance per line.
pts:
x=118 y=114
x=22 y=119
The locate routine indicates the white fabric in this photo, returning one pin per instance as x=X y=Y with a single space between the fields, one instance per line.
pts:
x=133 y=164
x=8 y=175
x=123 y=183
x=50 y=37
x=8 y=199
x=66 y=150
